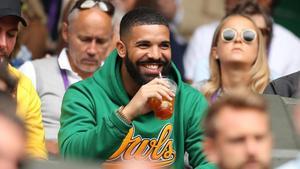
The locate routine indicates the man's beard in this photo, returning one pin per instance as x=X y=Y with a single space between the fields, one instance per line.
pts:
x=141 y=79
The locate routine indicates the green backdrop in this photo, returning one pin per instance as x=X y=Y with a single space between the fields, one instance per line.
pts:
x=287 y=13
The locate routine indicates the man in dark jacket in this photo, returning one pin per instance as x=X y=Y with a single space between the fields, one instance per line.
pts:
x=286 y=86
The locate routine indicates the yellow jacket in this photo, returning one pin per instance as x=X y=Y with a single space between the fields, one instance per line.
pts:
x=29 y=109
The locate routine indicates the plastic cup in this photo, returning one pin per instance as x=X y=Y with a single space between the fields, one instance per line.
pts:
x=163 y=109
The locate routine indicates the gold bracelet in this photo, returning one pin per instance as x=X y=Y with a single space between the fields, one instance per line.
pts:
x=119 y=111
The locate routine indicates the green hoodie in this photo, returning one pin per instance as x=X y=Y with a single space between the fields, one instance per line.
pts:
x=91 y=128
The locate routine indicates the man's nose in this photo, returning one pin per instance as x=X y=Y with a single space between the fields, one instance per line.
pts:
x=155 y=52
x=252 y=146
x=92 y=48
x=3 y=41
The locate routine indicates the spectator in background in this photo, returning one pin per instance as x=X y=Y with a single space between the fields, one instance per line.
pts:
x=238 y=132
x=171 y=11
x=122 y=7
x=61 y=44
x=294 y=164
x=283 y=58
x=13 y=134
x=237 y=58
x=31 y=42
x=286 y=86
x=12 y=129
x=266 y=4
x=199 y=12
x=87 y=33
x=28 y=103
x=259 y=15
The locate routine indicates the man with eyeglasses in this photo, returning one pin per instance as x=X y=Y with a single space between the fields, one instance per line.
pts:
x=28 y=102
x=108 y=117
x=87 y=33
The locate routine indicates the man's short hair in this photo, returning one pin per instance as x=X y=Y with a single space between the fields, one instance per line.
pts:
x=239 y=99
x=74 y=6
x=140 y=16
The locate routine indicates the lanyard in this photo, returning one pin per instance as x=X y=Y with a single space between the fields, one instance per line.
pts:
x=64 y=76
x=215 y=96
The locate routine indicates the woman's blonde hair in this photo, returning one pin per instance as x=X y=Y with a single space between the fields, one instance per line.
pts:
x=259 y=71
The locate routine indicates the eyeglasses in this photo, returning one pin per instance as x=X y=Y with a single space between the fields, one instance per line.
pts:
x=105 y=6
x=230 y=34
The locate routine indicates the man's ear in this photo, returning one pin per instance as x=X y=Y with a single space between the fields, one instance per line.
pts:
x=64 y=32
x=210 y=150
x=121 y=48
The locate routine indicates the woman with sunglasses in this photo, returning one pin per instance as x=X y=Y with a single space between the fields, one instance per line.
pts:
x=237 y=58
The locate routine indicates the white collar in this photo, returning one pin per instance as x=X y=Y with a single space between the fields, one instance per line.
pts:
x=63 y=60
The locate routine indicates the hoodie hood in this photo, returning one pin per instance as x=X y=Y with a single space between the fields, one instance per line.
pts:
x=109 y=78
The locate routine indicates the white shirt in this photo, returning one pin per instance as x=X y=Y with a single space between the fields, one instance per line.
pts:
x=283 y=59
x=293 y=164
x=63 y=61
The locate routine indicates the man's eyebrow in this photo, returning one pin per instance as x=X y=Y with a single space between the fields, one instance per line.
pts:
x=165 y=41
x=142 y=42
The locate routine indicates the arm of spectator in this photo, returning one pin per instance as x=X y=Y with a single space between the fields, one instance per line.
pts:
x=29 y=108
x=195 y=135
x=83 y=134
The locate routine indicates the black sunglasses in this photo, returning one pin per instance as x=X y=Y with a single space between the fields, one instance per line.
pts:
x=230 y=34
x=105 y=6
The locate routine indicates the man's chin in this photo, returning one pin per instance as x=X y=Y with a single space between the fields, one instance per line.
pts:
x=254 y=165
x=150 y=77
x=87 y=69
x=144 y=79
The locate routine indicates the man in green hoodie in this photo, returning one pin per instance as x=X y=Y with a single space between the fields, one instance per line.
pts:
x=107 y=117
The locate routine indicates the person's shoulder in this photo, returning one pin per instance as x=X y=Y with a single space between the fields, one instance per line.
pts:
x=282 y=32
x=45 y=60
x=85 y=85
x=27 y=68
x=83 y=91
x=25 y=86
x=190 y=92
x=291 y=78
x=286 y=86
x=193 y=101
x=26 y=65
x=22 y=79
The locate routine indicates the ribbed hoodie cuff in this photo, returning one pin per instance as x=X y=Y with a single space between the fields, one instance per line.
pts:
x=119 y=123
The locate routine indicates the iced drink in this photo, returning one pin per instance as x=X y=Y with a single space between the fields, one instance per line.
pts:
x=164 y=108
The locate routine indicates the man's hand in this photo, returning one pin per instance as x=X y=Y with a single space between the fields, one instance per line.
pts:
x=157 y=88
